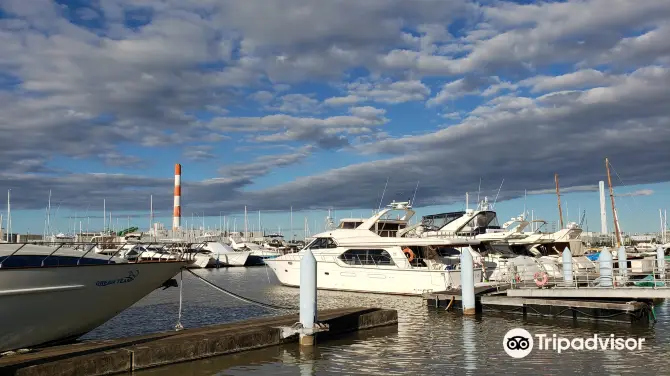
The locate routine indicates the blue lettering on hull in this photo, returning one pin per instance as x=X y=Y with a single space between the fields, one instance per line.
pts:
x=131 y=276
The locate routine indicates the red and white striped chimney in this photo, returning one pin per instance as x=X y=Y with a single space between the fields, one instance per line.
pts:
x=176 y=219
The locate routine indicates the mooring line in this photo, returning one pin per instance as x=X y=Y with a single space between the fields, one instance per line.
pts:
x=240 y=297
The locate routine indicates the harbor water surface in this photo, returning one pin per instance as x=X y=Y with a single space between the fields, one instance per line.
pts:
x=427 y=341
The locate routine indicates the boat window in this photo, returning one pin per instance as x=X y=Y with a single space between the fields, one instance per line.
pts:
x=388 y=229
x=350 y=225
x=448 y=252
x=483 y=220
x=323 y=243
x=366 y=257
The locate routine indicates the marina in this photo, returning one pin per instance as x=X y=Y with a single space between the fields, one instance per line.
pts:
x=316 y=188
x=463 y=263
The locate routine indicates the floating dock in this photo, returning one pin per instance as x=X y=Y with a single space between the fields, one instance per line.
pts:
x=602 y=304
x=124 y=355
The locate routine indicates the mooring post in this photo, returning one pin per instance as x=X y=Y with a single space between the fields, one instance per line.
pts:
x=605 y=260
x=622 y=261
x=660 y=260
x=307 y=296
x=567 y=266
x=467 y=283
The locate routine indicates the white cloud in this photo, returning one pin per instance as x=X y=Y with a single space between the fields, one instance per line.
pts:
x=181 y=80
x=343 y=101
x=640 y=192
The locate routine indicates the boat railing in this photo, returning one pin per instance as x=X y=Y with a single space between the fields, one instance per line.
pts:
x=448 y=235
x=181 y=251
x=637 y=273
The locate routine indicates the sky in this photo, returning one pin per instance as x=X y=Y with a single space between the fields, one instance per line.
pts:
x=314 y=105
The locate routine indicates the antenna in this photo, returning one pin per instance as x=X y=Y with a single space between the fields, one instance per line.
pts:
x=558 y=195
x=383 y=193
x=414 y=196
x=479 y=189
x=9 y=217
x=49 y=215
x=525 y=197
x=496 y=199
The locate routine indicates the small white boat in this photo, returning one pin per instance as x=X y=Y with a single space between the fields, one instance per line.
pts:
x=224 y=255
x=258 y=254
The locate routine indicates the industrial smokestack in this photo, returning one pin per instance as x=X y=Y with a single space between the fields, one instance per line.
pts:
x=603 y=211
x=176 y=219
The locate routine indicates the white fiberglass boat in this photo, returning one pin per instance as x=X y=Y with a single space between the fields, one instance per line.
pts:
x=508 y=252
x=224 y=255
x=258 y=254
x=51 y=295
x=361 y=260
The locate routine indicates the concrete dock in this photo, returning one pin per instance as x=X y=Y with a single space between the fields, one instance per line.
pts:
x=92 y=358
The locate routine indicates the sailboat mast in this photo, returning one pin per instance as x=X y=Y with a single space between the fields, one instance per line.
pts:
x=558 y=195
x=9 y=217
x=614 y=214
x=151 y=212
x=245 y=223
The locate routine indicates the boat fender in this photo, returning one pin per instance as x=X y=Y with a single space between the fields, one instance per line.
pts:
x=540 y=278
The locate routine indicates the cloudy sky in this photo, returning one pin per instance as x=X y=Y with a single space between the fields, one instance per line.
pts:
x=315 y=104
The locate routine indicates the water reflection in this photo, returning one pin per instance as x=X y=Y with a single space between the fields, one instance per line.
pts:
x=427 y=341
x=469 y=345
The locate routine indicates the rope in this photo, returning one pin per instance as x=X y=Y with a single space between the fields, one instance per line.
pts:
x=451 y=302
x=179 y=326
x=242 y=298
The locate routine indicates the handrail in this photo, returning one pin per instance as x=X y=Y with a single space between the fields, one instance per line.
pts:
x=55 y=250
x=88 y=247
x=12 y=254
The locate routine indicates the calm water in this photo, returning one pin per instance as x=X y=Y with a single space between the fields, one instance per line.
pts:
x=427 y=341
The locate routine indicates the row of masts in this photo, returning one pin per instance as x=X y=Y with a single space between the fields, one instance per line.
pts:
x=615 y=217
x=329 y=220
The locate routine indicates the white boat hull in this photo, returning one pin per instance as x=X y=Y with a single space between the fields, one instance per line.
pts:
x=229 y=258
x=383 y=280
x=47 y=304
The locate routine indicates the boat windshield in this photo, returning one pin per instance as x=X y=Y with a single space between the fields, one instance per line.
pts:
x=437 y=221
x=322 y=243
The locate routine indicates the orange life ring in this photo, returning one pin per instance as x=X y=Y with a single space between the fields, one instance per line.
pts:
x=517 y=278
x=408 y=251
x=540 y=278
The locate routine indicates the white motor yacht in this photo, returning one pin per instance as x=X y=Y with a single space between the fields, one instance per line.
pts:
x=507 y=251
x=361 y=260
x=51 y=294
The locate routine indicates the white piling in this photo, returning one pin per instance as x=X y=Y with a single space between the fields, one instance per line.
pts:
x=307 y=295
x=467 y=283
x=660 y=260
x=622 y=261
x=605 y=260
x=567 y=266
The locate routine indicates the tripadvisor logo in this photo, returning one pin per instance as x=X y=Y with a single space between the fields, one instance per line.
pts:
x=518 y=343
